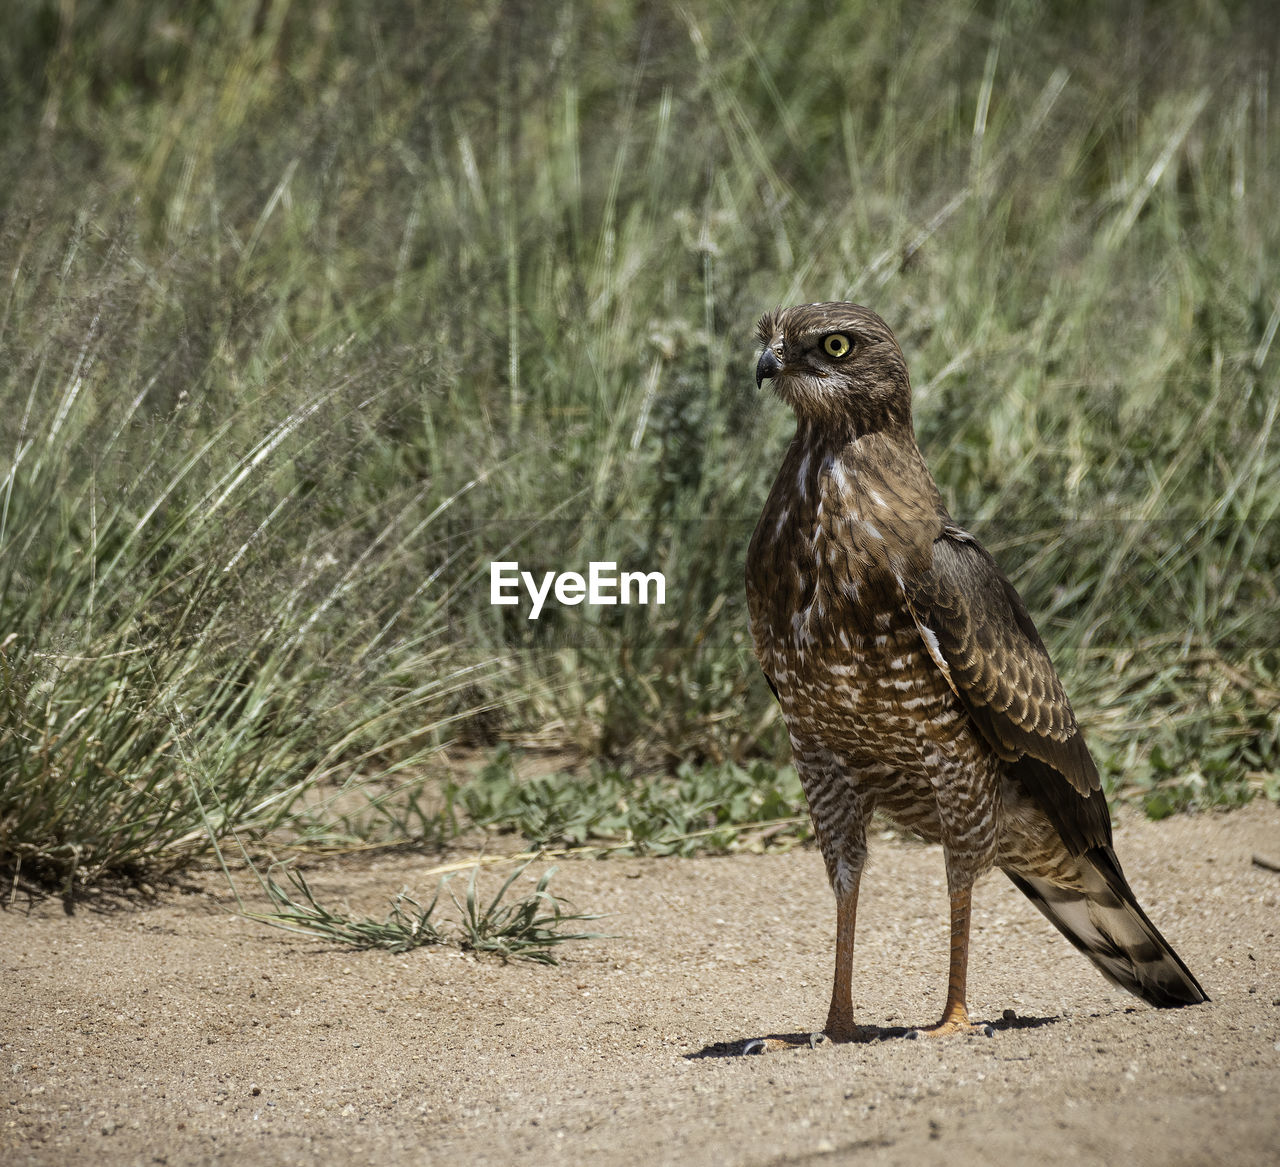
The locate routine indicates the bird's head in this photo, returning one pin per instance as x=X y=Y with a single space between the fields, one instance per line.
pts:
x=837 y=365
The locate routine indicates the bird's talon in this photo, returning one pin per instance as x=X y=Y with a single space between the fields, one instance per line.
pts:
x=755 y=1046
x=817 y=1039
x=914 y=1035
x=986 y=1031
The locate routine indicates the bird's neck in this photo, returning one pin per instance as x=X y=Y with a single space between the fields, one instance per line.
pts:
x=874 y=485
x=857 y=463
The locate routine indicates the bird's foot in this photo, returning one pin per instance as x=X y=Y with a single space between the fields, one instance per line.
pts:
x=764 y=1045
x=954 y=1027
x=852 y=1033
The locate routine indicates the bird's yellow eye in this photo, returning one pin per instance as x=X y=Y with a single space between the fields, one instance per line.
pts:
x=836 y=345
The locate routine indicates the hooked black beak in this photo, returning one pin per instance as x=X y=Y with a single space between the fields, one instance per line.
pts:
x=767 y=366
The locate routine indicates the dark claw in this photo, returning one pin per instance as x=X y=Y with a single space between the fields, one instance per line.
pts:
x=914 y=1035
x=817 y=1039
x=986 y=1031
x=755 y=1046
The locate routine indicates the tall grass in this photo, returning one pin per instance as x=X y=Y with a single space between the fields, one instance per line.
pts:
x=312 y=311
x=173 y=665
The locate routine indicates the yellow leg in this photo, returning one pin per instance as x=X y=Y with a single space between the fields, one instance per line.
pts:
x=955 y=1016
x=840 y=1026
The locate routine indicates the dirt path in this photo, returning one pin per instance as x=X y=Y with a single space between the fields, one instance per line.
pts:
x=179 y=1034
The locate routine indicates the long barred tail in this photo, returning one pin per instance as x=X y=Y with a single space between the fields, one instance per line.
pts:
x=1105 y=922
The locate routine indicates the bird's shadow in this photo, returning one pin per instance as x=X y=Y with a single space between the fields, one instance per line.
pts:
x=876 y=1033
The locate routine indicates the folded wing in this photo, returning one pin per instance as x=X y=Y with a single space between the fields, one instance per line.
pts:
x=980 y=634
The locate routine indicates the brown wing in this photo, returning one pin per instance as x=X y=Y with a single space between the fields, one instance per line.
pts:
x=979 y=632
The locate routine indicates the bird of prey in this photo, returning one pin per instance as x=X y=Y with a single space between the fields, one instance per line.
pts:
x=912 y=679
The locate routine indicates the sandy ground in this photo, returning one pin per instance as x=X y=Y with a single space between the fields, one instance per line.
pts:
x=177 y=1033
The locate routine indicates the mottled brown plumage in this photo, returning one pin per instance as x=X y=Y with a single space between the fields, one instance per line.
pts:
x=911 y=676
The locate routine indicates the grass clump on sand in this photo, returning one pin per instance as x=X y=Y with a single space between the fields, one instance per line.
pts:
x=512 y=927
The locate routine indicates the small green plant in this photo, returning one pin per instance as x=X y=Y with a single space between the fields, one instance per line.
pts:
x=701 y=809
x=524 y=929
x=408 y=924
